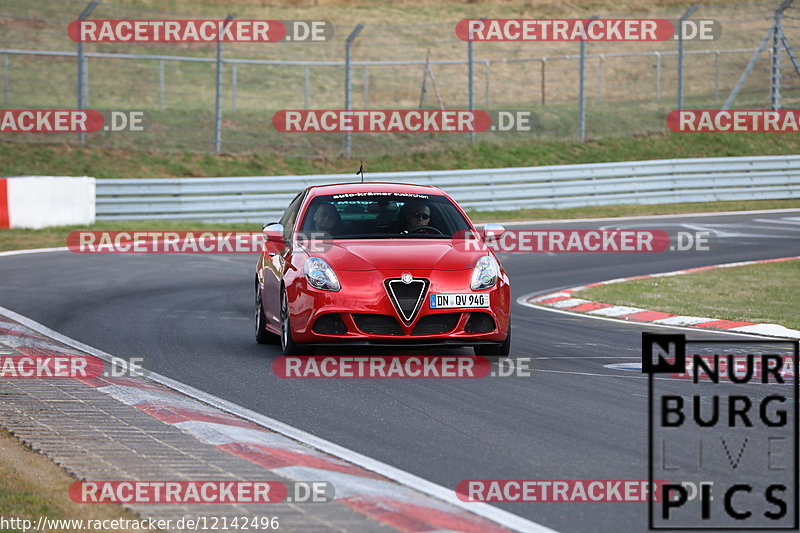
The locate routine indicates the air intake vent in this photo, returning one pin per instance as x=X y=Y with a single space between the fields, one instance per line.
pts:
x=480 y=323
x=377 y=324
x=407 y=297
x=436 y=324
x=330 y=324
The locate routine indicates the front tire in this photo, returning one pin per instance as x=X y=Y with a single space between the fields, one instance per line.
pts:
x=288 y=346
x=495 y=350
x=262 y=335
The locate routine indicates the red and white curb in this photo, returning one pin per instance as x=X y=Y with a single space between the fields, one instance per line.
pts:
x=5 y=219
x=567 y=301
x=374 y=489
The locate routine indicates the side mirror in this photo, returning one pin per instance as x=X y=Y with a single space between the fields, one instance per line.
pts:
x=492 y=231
x=268 y=224
x=273 y=236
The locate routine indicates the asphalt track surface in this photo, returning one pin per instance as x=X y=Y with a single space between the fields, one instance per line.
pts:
x=190 y=318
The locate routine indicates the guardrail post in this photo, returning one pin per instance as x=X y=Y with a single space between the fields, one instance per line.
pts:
x=775 y=71
x=218 y=99
x=366 y=86
x=161 y=85
x=750 y=64
x=582 y=90
x=685 y=16
x=83 y=69
x=581 y=95
x=347 y=45
x=544 y=62
x=600 y=76
x=769 y=53
x=305 y=87
x=471 y=83
x=658 y=76
x=233 y=87
x=5 y=79
x=487 y=87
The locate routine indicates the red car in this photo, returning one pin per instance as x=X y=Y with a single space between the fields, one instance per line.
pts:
x=380 y=264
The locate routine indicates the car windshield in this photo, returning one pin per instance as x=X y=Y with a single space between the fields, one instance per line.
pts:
x=382 y=215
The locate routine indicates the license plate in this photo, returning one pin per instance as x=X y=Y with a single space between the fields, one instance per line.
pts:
x=457 y=301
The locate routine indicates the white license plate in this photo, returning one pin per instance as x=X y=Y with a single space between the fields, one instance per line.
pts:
x=457 y=301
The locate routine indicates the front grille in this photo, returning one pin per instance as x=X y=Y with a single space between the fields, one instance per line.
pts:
x=407 y=297
x=480 y=323
x=377 y=324
x=330 y=324
x=436 y=324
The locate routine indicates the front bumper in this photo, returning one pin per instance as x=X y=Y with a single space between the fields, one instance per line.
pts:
x=368 y=317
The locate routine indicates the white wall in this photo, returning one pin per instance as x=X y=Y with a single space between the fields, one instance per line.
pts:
x=42 y=201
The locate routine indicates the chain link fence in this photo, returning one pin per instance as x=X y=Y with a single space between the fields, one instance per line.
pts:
x=629 y=87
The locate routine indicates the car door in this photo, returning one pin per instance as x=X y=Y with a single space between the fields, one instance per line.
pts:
x=275 y=264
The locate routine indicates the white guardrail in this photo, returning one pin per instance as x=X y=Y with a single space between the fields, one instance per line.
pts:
x=262 y=198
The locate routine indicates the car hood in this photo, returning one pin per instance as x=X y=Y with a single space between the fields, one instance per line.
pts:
x=397 y=254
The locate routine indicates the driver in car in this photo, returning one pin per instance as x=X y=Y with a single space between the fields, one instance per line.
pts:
x=414 y=215
x=326 y=222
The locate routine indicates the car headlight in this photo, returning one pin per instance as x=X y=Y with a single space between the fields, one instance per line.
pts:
x=485 y=273
x=320 y=275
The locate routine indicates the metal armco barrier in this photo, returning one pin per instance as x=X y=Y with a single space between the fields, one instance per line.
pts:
x=263 y=198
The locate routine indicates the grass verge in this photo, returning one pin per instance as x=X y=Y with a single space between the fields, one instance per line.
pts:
x=58 y=159
x=765 y=293
x=32 y=486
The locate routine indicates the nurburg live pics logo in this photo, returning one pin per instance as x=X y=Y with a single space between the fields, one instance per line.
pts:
x=726 y=439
